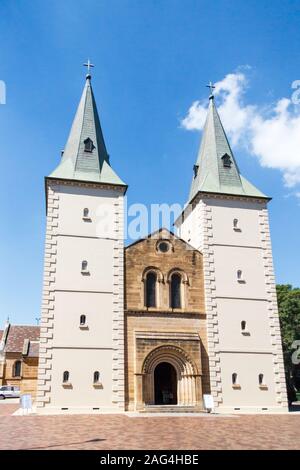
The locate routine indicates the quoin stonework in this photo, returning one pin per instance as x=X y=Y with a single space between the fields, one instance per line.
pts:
x=174 y=316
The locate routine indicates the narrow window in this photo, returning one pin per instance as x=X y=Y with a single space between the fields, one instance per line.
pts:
x=82 y=320
x=235 y=224
x=86 y=213
x=96 y=377
x=234 y=378
x=175 y=291
x=195 y=169
x=84 y=266
x=243 y=325
x=261 y=379
x=88 y=145
x=151 y=279
x=66 y=376
x=17 y=369
x=239 y=275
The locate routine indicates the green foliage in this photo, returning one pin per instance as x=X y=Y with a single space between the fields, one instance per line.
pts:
x=289 y=315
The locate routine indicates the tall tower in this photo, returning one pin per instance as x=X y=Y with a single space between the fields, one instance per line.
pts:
x=81 y=364
x=227 y=219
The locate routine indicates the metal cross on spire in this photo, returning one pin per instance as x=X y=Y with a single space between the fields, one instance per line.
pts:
x=211 y=86
x=89 y=65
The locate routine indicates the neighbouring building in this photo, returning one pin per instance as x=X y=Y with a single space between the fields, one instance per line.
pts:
x=19 y=356
x=169 y=318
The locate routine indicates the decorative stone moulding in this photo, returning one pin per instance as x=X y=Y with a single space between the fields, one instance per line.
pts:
x=236 y=387
x=86 y=184
x=67 y=385
x=263 y=387
x=246 y=333
x=98 y=385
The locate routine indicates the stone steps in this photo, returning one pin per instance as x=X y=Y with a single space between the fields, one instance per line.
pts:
x=171 y=409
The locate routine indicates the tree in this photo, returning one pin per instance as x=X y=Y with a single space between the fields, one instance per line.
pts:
x=289 y=316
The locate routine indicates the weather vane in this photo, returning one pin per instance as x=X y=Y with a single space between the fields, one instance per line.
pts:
x=89 y=65
x=211 y=88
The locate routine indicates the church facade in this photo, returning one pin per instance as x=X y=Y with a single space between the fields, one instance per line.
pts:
x=171 y=318
x=166 y=360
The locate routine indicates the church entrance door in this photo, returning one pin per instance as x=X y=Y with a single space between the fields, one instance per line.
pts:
x=165 y=384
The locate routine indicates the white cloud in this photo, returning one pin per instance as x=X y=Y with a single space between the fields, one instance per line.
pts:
x=271 y=134
x=195 y=117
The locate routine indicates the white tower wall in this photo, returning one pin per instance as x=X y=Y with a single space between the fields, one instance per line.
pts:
x=69 y=293
x=229 y=302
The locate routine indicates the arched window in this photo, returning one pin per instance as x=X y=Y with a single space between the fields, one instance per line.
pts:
x=175 y=296
x=96 y=376
x=150 y=289
x=17 y=369
x=239 y=274
x=84 y=266
x=235 y=223
x=261 y=379
x=234 y=378
x=66 y=376
x=243 y=325
x=82 y=320
x=86 y=213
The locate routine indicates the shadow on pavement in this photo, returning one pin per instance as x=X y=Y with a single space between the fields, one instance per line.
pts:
x=65 y=444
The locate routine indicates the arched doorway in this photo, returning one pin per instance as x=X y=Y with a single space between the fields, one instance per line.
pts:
x=168 y=366
x=165 y=384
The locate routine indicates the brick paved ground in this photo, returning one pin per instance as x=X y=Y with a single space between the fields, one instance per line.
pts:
x=120 y=431
x=8 y=408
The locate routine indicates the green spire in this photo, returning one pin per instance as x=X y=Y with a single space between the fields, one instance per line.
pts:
x=216 y=170
x=85 y=157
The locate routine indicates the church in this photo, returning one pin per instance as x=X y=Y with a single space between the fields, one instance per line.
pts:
x=162 y=323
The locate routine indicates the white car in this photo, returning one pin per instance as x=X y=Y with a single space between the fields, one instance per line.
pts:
x=9 y=391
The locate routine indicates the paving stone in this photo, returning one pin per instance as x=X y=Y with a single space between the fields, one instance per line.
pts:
x=162 y=432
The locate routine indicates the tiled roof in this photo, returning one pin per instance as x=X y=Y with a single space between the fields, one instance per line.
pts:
x=17 y=334
x=33 y=349
x=211 y=174
x=77 y=163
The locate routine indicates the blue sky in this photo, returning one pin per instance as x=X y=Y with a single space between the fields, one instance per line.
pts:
x=153 y=59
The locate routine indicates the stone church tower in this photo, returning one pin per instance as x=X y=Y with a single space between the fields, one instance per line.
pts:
x=226 y=218
x=81 y=364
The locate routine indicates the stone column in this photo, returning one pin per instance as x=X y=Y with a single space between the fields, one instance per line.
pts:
x=198 y=386
x=139 y=386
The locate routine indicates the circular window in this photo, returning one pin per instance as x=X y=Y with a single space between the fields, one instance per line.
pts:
x=163 y=247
